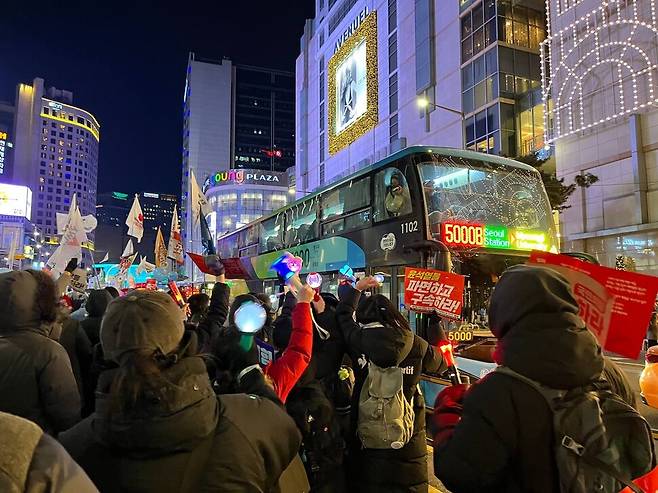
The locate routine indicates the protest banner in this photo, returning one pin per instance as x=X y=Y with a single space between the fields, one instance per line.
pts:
x=79 y=280
x=428 y=290
x=628 y=297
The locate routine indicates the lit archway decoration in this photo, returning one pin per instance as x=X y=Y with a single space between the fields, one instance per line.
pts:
x=600 y=67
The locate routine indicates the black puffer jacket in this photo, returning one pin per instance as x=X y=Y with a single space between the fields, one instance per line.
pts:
x=504 y=441
x=214 y=320
x=96 y=305
x=197 y=443
x=405 y=469
x=36 y=380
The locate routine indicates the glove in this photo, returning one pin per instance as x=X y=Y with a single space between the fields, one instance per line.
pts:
x=72 y=265
x=447 y=412
x=215 y=266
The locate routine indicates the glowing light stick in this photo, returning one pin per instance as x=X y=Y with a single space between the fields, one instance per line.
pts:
x=249 y=319
x=379 y=278
x=347 y=272
x=314 y=280
x=287 y=266
x=446 y=350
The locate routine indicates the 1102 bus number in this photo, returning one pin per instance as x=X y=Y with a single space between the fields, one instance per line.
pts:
x=460 y=336
x=463 y=234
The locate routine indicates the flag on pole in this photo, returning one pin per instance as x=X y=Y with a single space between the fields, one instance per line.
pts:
x=175 y=250
x=206 y=237
x=135 y=220
x=200 y=205
x=70 y=245
x=105 y=258
x=145 y=266
x=89 y=222
x=127 y=257
x=160 y=251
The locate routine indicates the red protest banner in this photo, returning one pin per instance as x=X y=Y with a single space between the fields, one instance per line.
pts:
x=427 y=290
x=631 y=296
x=234 y=268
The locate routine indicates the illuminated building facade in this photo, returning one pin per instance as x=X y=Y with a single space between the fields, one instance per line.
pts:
x=55 y=153
x=240 y=196
x=600 y=85
x=365 y=64
x=235 y=117
x=6 y=140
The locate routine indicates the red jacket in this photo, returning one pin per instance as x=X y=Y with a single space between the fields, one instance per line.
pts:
x=286 y=370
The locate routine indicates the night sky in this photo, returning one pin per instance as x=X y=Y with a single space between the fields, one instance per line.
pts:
x=126 y=65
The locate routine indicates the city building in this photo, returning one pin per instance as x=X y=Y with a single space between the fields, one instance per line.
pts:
x=111 y=212
x=235 y=117
x=240 y=196
x=18 y=235
x=601 y=98
x=6 y=140
x=55 y=153
x=375 y=76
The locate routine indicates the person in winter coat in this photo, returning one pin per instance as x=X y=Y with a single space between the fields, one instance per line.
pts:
x=283 y=372
x=500 y=436
x=76 y=343
x=96 y=305
x=36 y=379
x=199 y=304
x=382 y=335
x=31 y=461
x=158 y=425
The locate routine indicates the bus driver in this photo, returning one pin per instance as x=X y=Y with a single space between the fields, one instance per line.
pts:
x=397 y=201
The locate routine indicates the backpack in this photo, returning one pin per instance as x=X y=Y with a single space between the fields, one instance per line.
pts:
x=386 y=417
x=601 y=443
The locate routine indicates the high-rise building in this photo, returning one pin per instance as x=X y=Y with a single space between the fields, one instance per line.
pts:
x=6 y=140
x=235 y=117
x=111 y=212
x=362 y=68
x=375 y=76
x=601 y=99
x=55 y=153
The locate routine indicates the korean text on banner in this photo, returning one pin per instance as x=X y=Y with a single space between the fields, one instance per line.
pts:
x=633 y=296
x=428 y=290
x=79 y=280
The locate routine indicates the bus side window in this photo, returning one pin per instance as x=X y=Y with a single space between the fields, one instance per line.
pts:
x=392 y=197
x=271 y=237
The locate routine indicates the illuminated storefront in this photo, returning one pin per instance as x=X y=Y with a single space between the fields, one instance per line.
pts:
x=239 y=196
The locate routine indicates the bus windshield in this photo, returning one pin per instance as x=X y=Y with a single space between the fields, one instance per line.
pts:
x=459 y=190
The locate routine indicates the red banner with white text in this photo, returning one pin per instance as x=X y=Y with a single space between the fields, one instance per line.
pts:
x=628 y=297
x=428 y=290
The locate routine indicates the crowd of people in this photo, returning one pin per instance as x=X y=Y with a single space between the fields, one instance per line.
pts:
x=134 y=394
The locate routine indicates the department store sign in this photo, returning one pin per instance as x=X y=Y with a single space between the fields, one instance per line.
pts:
x=351 y=28
x=246 y=177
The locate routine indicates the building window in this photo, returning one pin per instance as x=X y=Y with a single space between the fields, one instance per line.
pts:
x=322 y=174
x=321 y=147
x=393 y=128
x=393 y=93
x=392 y=15
x=392 y=52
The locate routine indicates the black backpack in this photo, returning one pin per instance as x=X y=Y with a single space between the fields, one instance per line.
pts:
x=601 y=443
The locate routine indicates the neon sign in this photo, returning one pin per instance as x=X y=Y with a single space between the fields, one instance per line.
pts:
x=474 y=235
x=3 y=150
x=244 y=176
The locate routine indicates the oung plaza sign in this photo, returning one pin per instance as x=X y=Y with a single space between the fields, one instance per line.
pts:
x=246 y=177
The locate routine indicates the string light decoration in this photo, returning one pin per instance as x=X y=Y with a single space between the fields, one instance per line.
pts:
x=365 y=33
x=600 y=67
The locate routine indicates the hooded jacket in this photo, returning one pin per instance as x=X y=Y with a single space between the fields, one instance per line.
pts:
x=405 y=469
x=541 y=336
x=31 y=461
x=36 y=379
x=196 y=442
x=96 y=305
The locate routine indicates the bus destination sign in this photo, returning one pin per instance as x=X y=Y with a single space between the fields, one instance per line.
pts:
x=475 y=235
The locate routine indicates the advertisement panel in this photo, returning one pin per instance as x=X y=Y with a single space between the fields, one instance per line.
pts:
x=352 y=80
x=351 y=88
x=428 y=290
x=615 y=304
x=15 y=200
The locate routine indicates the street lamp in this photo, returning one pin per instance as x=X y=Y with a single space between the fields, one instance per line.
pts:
x=424 y=103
